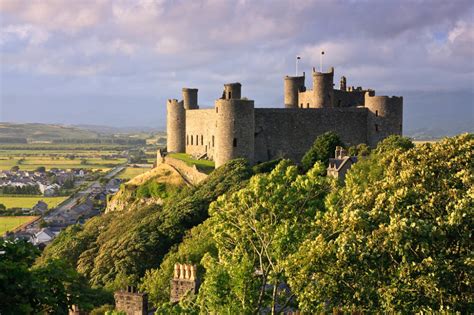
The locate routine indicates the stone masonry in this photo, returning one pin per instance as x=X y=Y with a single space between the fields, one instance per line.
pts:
x=184 y=282
x=234 y=128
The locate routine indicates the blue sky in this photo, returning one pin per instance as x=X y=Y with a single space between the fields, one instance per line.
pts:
x=114 y=62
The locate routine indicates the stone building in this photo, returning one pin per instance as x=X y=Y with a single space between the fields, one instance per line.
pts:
x=184 y=282
x=235 y=128
x=340 y=164
x=131 y=301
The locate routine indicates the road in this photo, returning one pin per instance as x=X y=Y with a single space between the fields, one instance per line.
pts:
x=74 y=199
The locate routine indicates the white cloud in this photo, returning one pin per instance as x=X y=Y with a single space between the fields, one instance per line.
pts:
x=25 y=32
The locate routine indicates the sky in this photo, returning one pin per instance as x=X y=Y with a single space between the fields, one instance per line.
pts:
x=115 y=62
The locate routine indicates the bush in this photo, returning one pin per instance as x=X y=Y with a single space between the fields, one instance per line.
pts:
x=322 y=149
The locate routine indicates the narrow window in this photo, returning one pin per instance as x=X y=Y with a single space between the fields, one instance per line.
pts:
x=235 y=142
x=202 y=140
x=191 y=140
x=197 y=140
x=377 y=113
x=217 y=109
x=230 y=95
x=187 y=139
x=213 y=141
x=307 y=105
x=376 y=127
x=301 y=106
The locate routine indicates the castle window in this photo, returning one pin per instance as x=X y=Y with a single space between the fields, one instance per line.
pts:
x=217 y=109
x=230 y=95
x=301 y=106
x=213 y=141
x=377 y=113
x=191 y=140
x=307 y=105
x=197 y=140
x=376 y=127
x=235 y=142
x=202 y=140
x=187 y=139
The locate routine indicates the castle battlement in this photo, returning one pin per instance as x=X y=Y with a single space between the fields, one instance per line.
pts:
x=235 y=128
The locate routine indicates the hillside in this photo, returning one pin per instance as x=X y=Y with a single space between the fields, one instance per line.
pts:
x=126 y=198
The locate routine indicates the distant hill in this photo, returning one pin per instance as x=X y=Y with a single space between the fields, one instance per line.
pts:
x=43 y=132
x=35 y=132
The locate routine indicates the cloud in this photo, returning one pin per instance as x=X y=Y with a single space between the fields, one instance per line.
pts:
x=139 y=47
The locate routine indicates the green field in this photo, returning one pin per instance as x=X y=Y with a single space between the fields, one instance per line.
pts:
x=32 y=163
x=131 y=172
x=203 y=165
x=29 y=201
x=9 y=223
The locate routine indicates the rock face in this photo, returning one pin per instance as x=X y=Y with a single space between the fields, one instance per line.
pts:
x=125 y=199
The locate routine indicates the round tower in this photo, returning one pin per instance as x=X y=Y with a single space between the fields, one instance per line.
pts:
x=323 y=88
x=175 y=126
x=190 y=98
x=292 y=86
x=385 y=117
x=232 y=91
x=235 y=130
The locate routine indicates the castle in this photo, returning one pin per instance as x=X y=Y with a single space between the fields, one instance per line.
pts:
x=235 y=128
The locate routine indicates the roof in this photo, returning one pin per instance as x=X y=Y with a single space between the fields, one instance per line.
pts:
x=337 y=164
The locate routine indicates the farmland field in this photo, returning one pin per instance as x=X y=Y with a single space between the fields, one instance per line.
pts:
x=29 y=201
x=131 y=172
x=31 y=163
x=9 y=223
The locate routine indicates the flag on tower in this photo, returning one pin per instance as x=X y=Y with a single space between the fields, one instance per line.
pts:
x=322 y=52
x=298 y=57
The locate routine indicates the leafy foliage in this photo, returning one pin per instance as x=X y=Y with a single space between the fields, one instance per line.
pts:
x=195 y=245
x=400 y=242
x=255 y=229
x=129 y=243
x=322 y=149
x=51 y=288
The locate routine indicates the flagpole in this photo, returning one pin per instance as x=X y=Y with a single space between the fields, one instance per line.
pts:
x=297 y=60
x=321 y=61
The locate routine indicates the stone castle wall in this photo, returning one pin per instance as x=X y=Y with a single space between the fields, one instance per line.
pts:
x=291 y=132
x=200 y=131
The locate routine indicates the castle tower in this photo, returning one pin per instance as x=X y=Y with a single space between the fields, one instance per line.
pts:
x=190 y=98
x=343 y=84
x=184 y=282
x=385 y=117
x=293 y=85
x=323 y=88
x=235 y=129
x=176 y=126
x=232 y=91
x=131 y=302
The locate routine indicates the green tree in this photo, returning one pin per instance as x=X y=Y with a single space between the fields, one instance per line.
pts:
x=322 y=149
x=395 y=240
x=15 y=168
x=255 y=229
x=41 y=169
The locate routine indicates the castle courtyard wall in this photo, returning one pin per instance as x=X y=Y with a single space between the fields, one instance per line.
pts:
x=291 y=132
x=200 y=129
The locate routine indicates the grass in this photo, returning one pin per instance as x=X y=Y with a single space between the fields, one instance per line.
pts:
x=29 y=201
x=32 y=163
x=10 y=223
x=131 y=172
x=203 y=165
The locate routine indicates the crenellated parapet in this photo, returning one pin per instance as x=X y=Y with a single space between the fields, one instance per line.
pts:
x=184 y=282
